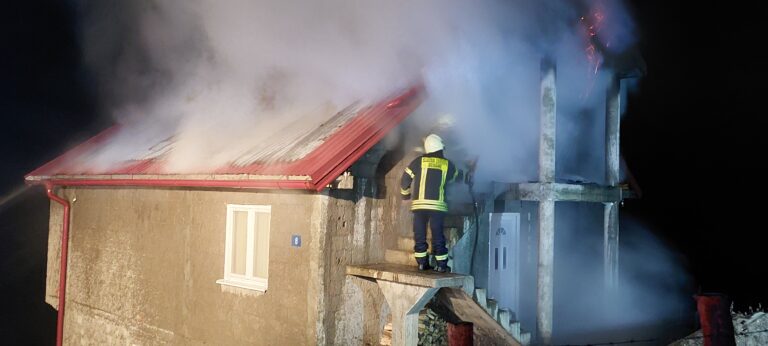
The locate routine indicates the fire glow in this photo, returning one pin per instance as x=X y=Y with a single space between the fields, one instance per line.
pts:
x=592 y=25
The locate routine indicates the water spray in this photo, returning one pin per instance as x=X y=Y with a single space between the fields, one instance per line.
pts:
x=9 y=197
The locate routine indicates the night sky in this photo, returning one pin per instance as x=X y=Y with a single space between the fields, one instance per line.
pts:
x=693 y=136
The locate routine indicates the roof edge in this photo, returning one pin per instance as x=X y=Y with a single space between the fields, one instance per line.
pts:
x=270 y=184
x=75 y=151
x=32 y=179
x=404 y=104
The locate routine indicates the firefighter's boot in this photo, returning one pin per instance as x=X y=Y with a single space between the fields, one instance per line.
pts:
x=442 y=267
x=423 y=263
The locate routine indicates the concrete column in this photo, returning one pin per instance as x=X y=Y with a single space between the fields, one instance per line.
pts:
x=612 y=124
x=548 y=122
x=611 y=220
x=545 y=271
x=546 y=207
x=611 y=245
x=480 y=261
x=405 y=302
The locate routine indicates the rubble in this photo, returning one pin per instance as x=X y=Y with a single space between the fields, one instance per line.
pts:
x=751 y=330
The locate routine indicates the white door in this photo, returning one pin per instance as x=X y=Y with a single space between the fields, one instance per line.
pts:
x=503 y=264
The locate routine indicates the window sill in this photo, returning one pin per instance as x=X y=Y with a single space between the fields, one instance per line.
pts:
x=255 y=286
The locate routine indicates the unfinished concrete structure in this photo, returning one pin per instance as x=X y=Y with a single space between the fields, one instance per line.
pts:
x=514 y=288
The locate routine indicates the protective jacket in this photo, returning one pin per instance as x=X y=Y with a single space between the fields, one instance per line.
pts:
x=424 y=180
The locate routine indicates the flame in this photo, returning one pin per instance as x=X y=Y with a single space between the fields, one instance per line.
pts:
x=592 y=25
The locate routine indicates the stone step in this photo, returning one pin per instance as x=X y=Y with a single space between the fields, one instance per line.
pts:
x=480 y=297
x=504 y=316
x=399 y=257
x=493 y=309
x=514 y=329
x=525 y=338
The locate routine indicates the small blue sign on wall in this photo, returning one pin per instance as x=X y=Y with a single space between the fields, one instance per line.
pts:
x=296 y=240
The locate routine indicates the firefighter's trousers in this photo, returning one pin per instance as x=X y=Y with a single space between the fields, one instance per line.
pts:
x=435 y=220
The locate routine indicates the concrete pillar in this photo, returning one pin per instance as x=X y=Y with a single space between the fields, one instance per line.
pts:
x=548 y=122
x=546 y=207
x=480 y=261
x=405 y=302
x=545 y=271
x=612 y=123
x=611 y=220
x=611 y=245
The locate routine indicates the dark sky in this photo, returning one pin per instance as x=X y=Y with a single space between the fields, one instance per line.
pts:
x=693 y=136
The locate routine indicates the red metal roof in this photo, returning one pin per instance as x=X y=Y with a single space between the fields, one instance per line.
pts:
x=309 y=160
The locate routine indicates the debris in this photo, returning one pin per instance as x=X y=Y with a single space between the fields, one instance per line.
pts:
x=433 y=330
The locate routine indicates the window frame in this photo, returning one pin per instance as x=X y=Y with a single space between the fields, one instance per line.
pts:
x=248 y=280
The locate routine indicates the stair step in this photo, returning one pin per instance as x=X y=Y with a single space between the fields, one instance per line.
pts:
x=493 y=309
x=480 y=297
x=504 y=315
x=399 y=257
x=514 y=329
x=525 y=338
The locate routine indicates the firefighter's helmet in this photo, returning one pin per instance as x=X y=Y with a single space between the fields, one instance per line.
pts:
x=433 y=143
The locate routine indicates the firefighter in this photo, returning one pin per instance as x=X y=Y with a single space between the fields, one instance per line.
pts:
x=429 y=174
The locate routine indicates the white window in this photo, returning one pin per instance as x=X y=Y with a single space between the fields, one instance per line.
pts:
x=246 y=263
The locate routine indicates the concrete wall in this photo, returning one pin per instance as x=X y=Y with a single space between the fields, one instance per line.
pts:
x=362 y=223
x=355 y=236
x=144 y=263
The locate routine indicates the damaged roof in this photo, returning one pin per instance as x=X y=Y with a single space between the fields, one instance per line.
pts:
x=291 y=158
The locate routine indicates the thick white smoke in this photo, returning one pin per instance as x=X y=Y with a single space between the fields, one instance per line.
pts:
x=220 y=74
x=654 y=298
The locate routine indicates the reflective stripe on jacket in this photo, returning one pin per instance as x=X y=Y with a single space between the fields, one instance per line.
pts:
x=428 y=174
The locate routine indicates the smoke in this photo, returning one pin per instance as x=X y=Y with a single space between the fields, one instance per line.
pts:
x=653 y=300
x=219 y=76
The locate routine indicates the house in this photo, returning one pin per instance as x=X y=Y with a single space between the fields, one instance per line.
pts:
x=303 y=239
x=252 y=253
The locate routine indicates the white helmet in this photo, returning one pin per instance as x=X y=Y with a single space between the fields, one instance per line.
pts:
x=433 y=143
